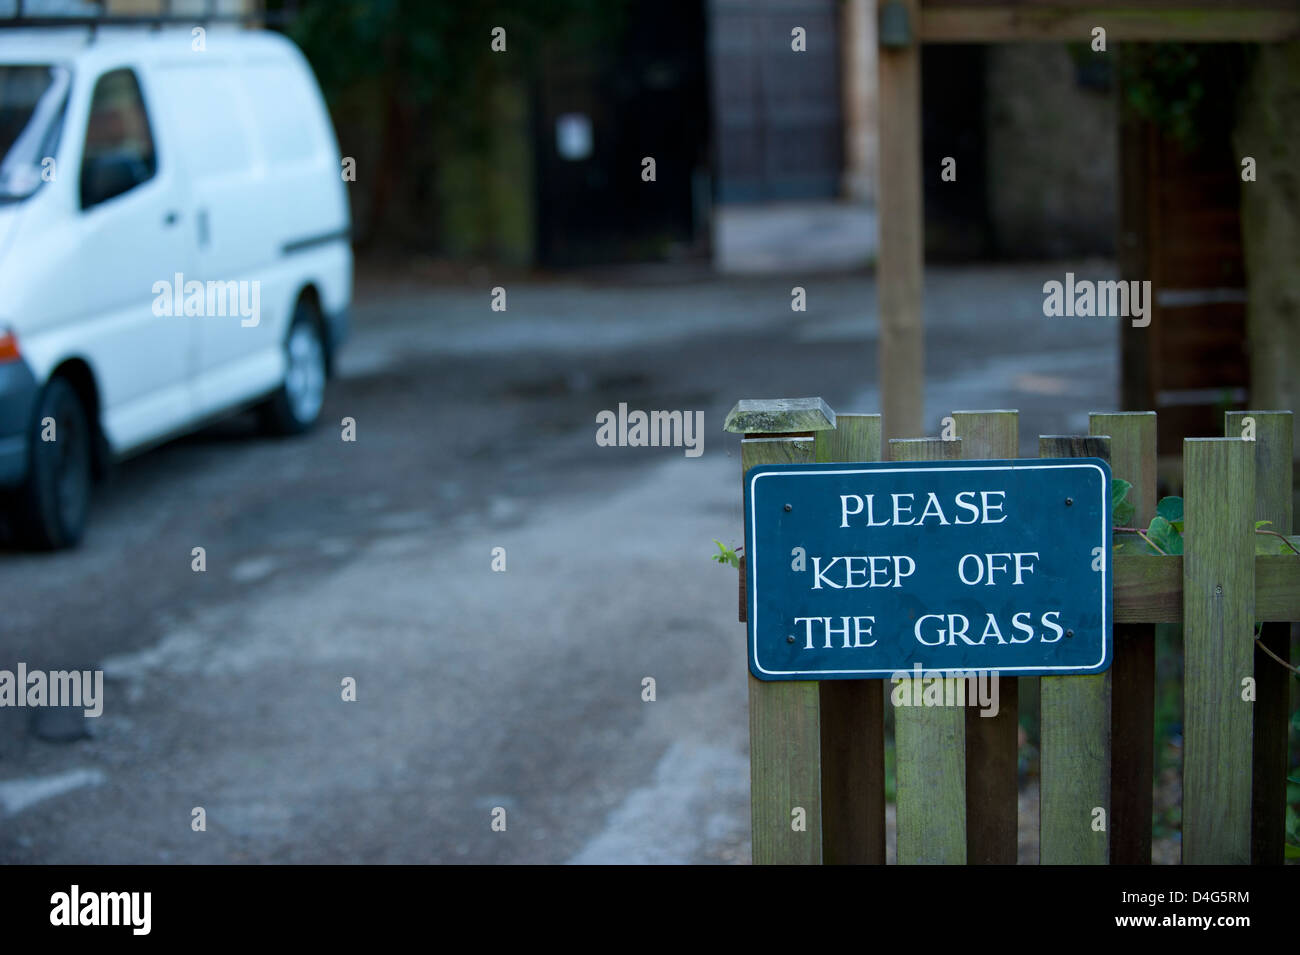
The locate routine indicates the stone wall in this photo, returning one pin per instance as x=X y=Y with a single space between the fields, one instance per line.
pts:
x=1052 y=155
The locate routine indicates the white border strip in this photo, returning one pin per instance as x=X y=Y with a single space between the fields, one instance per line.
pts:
x=752 y=568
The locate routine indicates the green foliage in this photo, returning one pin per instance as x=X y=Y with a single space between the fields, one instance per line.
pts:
x=1171 y=509
x=1293 y=792
x=1166 y=528
x=1268 y=543
x=1184 y=89
x=1121 y=508
x=1165 y=536
x=436 y=50
x=1165 y=531
x=726 y=555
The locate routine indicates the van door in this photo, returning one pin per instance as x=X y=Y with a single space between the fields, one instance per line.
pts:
x=238 y=351
x=132 y=250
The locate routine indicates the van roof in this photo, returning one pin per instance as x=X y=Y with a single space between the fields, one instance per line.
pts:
x=76 y=46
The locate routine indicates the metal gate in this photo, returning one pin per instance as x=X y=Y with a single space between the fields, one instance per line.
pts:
x=776 y=113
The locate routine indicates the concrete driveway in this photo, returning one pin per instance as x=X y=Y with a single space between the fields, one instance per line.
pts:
x=477 y=690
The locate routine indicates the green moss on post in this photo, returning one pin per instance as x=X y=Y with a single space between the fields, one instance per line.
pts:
x=779 y=416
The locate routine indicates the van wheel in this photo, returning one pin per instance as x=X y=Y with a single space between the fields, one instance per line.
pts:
x=296 y=404
x=49 y=510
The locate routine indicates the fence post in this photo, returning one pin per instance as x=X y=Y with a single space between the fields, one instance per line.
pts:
x=1273 y=502
x=1133 y=670
x=1075 y=735
x=1218 y=648
x=852 y=711
x=784 y=716
x=992 y=743
x=930 y=741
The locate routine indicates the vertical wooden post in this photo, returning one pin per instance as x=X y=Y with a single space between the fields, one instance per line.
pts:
x=901 y=253
x=930 y=742
x=992 y=743
x=784 y=716
x=852 y=711
x=1133 y=670
x=1075 y=735
x=1218 y=647
x=1273 y=502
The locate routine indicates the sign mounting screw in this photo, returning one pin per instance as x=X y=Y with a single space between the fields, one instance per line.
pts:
x=789 y=638
x=789 y=508
x=1069 y=501
x=1069 y=633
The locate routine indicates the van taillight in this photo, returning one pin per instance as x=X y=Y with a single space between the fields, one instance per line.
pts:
x=8 y=347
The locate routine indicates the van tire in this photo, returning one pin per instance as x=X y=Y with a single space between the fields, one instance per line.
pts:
x=296 y=404
x=49 y=511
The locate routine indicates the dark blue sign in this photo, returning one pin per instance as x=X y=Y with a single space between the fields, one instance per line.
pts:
x=862 y=571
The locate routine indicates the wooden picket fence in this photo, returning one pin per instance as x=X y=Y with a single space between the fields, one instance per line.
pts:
x=820 y=746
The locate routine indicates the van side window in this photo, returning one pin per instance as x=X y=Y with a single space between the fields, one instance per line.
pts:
x=119 y=153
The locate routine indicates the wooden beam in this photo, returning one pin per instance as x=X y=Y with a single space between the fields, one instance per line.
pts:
x=852 y=711
x=901 y=227
x=950 y=23
x=1150 y=589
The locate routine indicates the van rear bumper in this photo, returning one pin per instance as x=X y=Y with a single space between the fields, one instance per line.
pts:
x=17 y=399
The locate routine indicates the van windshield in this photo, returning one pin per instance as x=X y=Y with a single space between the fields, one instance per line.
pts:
x=32 y=102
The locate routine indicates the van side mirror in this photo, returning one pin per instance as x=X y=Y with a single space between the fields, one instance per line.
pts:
x=108 y=176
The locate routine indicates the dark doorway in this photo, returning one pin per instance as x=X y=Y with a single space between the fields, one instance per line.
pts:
x=603 y=104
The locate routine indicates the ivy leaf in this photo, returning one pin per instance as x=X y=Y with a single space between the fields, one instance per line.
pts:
x=726 y=555
x=1268 y=544
x=1131 y=544
x=1171 y=509
x=1121 y=509
x=1164 y=536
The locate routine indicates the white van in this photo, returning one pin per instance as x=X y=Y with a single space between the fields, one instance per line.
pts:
x=173 y=246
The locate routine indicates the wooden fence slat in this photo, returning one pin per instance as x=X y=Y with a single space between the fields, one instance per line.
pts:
x=1075 y=736
x=1218 y=648
x=1133 y=670
x=1273 y=502
x=930 y=742
x=852 y=711
x=784 y=730
x=992 y=743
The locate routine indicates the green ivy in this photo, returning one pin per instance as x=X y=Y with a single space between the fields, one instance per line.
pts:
x=726 y=555
x=1166 y=529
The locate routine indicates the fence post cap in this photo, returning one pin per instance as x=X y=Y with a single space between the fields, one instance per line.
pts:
x=779 y=416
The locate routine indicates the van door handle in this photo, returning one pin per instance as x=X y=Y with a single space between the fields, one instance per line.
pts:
x=170 y=218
